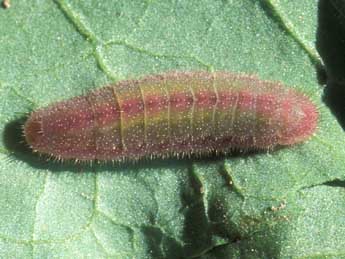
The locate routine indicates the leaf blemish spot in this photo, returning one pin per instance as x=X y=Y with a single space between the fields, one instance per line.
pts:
x=6 y=4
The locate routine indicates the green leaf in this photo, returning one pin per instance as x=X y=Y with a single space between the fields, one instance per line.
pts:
x=285 y=204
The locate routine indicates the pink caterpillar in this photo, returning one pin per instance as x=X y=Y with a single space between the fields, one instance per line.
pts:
x=176 y=113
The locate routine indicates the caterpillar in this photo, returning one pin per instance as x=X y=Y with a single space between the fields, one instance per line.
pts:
x=173 y=114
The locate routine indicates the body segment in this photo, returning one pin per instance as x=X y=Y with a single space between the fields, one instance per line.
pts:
x=175 y=113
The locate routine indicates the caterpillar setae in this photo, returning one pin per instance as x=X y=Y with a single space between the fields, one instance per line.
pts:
x=173 y=114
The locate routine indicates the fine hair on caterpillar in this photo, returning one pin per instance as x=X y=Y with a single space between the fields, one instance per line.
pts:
x=173 y=114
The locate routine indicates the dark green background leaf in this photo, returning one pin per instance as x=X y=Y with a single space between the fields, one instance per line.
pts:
x=285 y=204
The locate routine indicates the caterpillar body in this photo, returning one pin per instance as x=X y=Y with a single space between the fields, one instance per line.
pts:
x=174 y=113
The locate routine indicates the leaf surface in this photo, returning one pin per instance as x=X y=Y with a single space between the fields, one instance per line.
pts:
x=289 y=203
